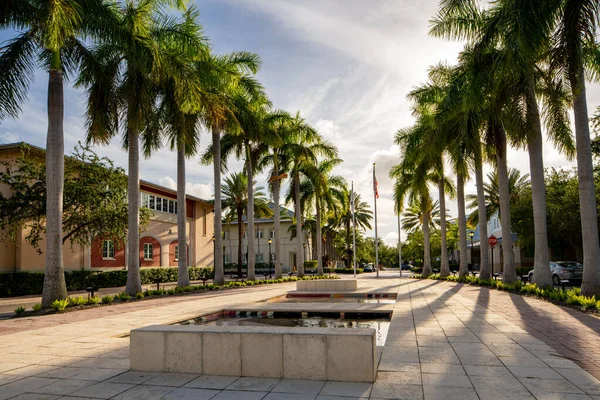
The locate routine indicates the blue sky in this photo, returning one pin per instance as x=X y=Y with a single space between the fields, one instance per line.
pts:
x=345 y=65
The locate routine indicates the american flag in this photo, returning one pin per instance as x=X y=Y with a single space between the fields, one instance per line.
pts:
x=375 y=186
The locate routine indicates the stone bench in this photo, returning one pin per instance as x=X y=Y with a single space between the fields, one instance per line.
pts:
x=274 y=352
x=327 y=285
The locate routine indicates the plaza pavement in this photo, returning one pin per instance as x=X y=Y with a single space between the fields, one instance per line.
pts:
x=446 y=341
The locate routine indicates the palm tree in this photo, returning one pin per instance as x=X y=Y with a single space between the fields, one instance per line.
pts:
x=412 y=177
x=48 y=35
x=524 y=45
x=516 y=185
x=235 y=202
x=574 y=39
x=344 y=218
x=181 y=86
x=233 y=78
x=413 y=216
x=325 y=192
x=122 y=79
x=303 y=148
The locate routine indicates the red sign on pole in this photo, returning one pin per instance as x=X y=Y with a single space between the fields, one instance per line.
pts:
x=492 y=241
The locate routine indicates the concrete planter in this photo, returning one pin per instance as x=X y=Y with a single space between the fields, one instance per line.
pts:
x=327 y=285
x=274 y=352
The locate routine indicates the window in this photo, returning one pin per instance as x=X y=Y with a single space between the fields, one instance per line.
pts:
x=158 y=204
x=245 y=234
x=151 y=202
x=226 y=259
x=272 y=234
x=205 y=213
x=175 y=208
x=259 y=257
x=147 y=251
x=272 y=256
x=145 y=199
x=176 y=252
x=165 y=206
x=108 y=250
x=259 y=234
x=171 y=207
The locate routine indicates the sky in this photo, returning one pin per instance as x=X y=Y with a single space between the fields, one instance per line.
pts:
x=347 y=66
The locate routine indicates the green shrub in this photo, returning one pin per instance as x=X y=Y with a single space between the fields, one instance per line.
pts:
x=139 y=295
x=587 y=302
x=30 y=283
x=122 y=296
x=76 y=301
x=59 y=305
x=93 y=300
x=107 y=299
x=19 y=310
x=37 y=307
x=310 y=264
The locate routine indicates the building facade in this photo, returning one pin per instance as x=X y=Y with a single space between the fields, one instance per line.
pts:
x=158 y=242
x=264 y=229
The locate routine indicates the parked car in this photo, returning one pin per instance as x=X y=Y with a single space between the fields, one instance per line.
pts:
x=406 y=267
x=369 y=268
x=564 y=270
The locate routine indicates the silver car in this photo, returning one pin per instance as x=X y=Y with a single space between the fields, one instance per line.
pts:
x=564 y=271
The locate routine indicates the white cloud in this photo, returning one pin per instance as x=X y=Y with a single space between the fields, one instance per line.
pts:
x=201 y=190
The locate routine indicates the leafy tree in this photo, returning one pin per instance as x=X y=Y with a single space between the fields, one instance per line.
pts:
x=413 y=216
x=95 y=199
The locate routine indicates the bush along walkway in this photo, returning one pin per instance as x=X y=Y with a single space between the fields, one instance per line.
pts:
x=79 y=303
x=570 y=298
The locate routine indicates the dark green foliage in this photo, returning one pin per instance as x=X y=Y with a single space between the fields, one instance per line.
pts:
x=108 y=299
x=28 y=283
x=19 y=310
x=310 y=264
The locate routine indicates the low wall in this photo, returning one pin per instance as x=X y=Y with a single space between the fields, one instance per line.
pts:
x=327 y=285
x=274 y=352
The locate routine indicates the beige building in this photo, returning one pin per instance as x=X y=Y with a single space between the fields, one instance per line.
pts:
x=263 y=231
x=158 y=243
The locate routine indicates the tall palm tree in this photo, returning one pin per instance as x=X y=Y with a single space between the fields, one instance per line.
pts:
x=412 y=178
x=344 y=218
x=303 y=148
x=233 y=79
x=48 y=35
x=181 y=85
x=235 y=202
x=523 y=46
x=277 y=124
x=122 y=79
x=574 y=41
x=325 y=192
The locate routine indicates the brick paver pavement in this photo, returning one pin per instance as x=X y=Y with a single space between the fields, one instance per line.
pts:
x=445 y=341
x=572 y=333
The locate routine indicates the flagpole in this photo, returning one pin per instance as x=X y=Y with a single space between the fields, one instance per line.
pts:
x=399 y=244
x=376 y=237
x=353 y=228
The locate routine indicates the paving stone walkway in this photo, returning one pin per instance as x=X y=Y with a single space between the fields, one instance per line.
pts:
x=446 y=341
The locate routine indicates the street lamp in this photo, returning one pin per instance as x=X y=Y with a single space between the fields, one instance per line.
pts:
x=270 y=260
x=471 y=234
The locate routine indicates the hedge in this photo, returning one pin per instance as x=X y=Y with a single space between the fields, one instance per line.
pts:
x=31 y=283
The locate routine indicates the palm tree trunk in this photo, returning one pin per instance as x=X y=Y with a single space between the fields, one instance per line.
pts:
x=134 y=283
x=509 y=274
x=484 y=264
x=444 y=266
x=183 y=277
x=240 y=218
x=299 y=248
x=426 y=239
x=250 y=215
x=587 y=195
x=277 y=219
x=319 y=238
x=462 y=225
x=218 y=246
x=541 y=265
x=54 y=277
